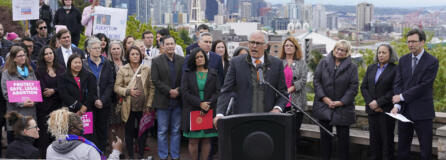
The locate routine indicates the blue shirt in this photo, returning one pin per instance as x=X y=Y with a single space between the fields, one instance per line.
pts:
x=379 y=71
x=96 y=69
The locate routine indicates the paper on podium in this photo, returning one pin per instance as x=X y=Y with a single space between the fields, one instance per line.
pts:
x=399 y=117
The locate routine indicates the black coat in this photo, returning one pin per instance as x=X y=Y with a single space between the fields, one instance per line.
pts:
x=339 y=84
x=6 y=46
x=69 y=91
x=105 y=83
x=22 y=148
x=45 y=14
x=191 y=95
x=382 y=91
x=72 y=20
x=53 y=102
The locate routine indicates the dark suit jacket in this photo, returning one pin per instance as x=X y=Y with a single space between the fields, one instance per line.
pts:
x=161 y=79
x=191 y=47
x=417 y=88
x=191 y=95
x=382 y=91
x=214 y=62
x=238 y=82
x=74 y=50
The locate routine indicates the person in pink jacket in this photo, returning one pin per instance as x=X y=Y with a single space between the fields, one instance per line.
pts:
x=88 y=17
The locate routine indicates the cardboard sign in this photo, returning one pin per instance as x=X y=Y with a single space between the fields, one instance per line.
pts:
x=25 y=10
x=87 y=119
x=110 y=21
x=21 y=91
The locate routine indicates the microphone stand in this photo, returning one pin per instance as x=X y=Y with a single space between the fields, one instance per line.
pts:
x=263 y=81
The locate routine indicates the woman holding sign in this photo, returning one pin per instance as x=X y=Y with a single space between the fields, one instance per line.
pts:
x=17 y=70
x=88 y=17
x=134 y=85
x=200 y=87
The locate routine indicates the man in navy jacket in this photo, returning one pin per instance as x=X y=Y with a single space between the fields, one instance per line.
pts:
x=414 y=95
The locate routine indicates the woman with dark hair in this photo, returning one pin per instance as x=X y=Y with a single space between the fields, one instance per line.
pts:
x=377 y=90
x=77 y=87
x=133 y=83
x=295 y=70
x=26 y=131
x=48 y=70
x=240 y=50
x=335 y=86
x=127 y=43
x=71 y=17
x=219 y=47
x=17 y=68
x=104 y=44
x=200 y=87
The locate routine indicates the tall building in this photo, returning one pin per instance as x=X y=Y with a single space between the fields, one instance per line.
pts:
x=364 y=15
x=280 y=23
x=295 y=10
x=332 y=21
x=211 y=9
x=143 y=11
x=245 y=10
x=319 y=21
x=232 y=6
x=197 y=9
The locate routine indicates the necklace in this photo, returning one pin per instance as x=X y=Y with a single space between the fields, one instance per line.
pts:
x=201 y=75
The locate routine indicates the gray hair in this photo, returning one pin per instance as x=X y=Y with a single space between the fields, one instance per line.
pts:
x=204 y=34
x=110 y=47
x=265 y=35
x=91 y=41
x=393 y=55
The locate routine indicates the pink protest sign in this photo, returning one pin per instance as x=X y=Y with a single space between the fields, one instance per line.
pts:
x=21 y=91
x=87 y=119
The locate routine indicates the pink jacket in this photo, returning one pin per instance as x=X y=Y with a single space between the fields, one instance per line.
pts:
x=87 y=20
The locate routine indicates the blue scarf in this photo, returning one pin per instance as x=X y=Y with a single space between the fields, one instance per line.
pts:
x=71 y=137
x=24 y=73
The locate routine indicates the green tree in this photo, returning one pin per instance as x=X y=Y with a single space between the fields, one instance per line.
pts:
x=313 y=60
x=184 y=34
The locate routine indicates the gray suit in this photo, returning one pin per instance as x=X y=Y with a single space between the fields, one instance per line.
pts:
x=238 y=82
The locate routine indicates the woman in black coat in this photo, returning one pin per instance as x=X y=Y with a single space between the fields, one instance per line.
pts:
x=77 y=87
x=377 y=90
x=71 y=17
x=48 y=70
x=26 y=131
x=336 y=85
x=200 y=87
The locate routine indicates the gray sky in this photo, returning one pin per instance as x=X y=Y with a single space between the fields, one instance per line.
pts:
x=378 y=3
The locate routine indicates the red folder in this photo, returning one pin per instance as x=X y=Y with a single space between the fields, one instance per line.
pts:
x=198 y=122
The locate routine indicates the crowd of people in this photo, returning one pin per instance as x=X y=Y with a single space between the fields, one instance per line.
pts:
x=121 y=83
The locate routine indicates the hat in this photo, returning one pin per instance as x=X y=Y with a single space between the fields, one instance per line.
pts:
x=11 y=36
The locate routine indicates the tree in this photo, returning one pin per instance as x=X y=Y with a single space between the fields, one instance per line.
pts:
x=313 y=60
x=184 y=34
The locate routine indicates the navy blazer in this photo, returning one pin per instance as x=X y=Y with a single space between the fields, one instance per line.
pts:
x=74 y=50
x=238 y=83
x=214 y=62
x=191 y=47
x=382 y=90
x=417 y=88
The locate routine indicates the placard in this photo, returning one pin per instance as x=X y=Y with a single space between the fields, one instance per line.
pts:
x=25 y=10
x=110 y=21
x=21 y=91
x=87 y=120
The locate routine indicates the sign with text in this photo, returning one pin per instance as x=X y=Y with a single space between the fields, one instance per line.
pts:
x=25 y=10
x=21 y=91
x=87 y=120
x=110 y=21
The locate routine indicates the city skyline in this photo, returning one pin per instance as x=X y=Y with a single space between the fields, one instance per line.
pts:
x=377 y=3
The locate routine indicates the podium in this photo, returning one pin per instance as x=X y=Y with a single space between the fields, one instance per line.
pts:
x=257 y=136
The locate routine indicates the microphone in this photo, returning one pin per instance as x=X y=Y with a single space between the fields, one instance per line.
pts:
x=260 y=72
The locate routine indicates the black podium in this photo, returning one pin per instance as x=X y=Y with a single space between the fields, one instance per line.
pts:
x=257 y=136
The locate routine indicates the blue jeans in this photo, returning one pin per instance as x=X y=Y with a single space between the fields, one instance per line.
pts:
x=166 y=118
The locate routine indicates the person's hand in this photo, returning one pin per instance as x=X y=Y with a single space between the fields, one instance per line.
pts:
x=275 y=110
x=205 y=106
x=378 y=109
x=98 y=104
x=147 y=110
x=394 y=110
x=328 y=102
x=117 y=145
x=216 y=120
x=135 y=93
x=28 y=103
x=373 y=105
x=82 y=110
x=48 y=92
x=396 y=99
x=291 y=89
x=174 y=93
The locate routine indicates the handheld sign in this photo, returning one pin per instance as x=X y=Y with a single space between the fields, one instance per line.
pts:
x=25 y=10
x=21 y=91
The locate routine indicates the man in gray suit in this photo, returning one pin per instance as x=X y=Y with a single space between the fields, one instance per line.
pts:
x=242 y=80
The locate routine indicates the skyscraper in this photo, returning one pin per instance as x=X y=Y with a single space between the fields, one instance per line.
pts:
x=364 y=15
x=295 y=10
x=197 y=13
x=211 y=9
x=143 y=10
x=319 y=21
x=245 y=10
x=232 y=6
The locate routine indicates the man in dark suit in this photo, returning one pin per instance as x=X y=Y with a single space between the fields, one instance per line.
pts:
x=243 y=81
x=202 y=28
x=205 y=43
x=66 y=49
x=166 y=76
x=413 y=95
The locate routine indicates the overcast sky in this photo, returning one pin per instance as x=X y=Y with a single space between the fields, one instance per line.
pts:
x=378 y=3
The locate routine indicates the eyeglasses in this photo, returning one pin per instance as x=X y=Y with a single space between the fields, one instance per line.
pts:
x=32 y=127
x=40 y=28
x=256 y=43
x=412 y=42
x=96 y=48
x=342 y=50
x=20 y=56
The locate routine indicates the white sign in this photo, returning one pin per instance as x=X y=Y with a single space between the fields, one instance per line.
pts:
x=110 y=21
x=25 y=10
